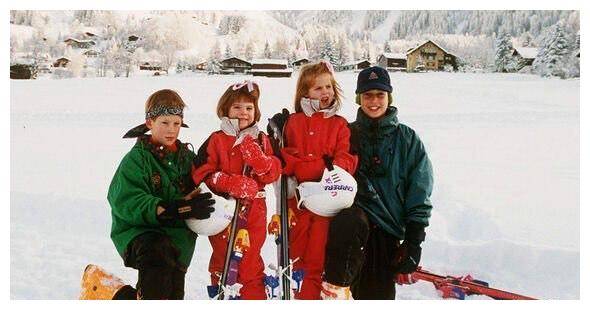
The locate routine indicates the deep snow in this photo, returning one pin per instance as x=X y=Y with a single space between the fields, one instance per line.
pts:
x=505 y=150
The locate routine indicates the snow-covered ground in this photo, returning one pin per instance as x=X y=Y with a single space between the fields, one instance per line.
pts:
x=505 y=150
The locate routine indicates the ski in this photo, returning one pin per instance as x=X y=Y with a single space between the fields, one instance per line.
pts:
x=280 y=221
x=237 y=245
x=459 y=287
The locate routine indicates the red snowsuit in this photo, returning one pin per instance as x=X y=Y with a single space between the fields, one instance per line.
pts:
x=221 y=156
x=307 y=140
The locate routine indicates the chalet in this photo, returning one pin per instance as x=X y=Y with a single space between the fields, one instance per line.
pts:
x=355 y=65
x=91 y=53
x=393 y=61
x=201 y=66
x=61 y=62
x=234 y=65
x=150 y=66
x=23 y=71
x=430 y=56
x=525 y=55
x=79 y=43
x=271 y=68
x=300 y=62
x=44 y=68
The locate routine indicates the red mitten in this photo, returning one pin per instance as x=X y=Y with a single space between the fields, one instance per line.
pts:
x=254 y=156
x=237 y=186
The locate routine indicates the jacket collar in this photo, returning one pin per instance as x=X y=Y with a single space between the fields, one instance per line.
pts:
x=311 y=106
x=159 y=151
x=230 y=127
x=384 y=123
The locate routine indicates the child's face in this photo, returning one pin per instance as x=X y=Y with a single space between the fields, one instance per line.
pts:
x=374 y=103
x=244 y=111
x=321 y=89
x=165 y=128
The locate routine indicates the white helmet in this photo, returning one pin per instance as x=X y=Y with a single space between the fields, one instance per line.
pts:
x=327 y=197
x=219 y=219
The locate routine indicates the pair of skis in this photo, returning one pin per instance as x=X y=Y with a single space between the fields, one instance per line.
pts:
x=459 y=287
x=279 y=226
x=237 y=245
x=229 y=287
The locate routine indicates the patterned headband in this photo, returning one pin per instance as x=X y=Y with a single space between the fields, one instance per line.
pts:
x=162 y=110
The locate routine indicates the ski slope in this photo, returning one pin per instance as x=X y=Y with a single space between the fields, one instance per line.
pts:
x=504 y=147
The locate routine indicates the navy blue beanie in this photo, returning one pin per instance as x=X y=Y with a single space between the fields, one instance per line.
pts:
x=373 y=78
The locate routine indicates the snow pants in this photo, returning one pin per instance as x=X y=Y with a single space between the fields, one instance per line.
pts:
x=307 y=240
x=161 y=275
x=251 y=268
x=361 y=255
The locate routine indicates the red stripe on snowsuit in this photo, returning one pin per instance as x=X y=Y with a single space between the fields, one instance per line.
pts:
x=308 y=139
x=223 y=156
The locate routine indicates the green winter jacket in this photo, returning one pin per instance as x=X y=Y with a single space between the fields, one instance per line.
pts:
x=394 y=175
x=146 y=176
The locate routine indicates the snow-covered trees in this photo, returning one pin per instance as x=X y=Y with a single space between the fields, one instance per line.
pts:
x=228 y=53
x=250 y=50
x=281 y=48
x=231 y=24
x=215 y=53
x=328 y=52
x=339 y=36
x=267 y=51
x=504 y=60
x=374 y=18
x=77 y=64
x=556 y=55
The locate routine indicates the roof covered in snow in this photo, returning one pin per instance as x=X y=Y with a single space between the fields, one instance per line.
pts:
x=527 y=52
x=394 y=55
x=272 y=70
x=356 y=62
x=419 y=46
x=261 y=61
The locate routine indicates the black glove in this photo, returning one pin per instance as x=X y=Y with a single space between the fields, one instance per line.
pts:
x=409 y=252
x=198 y=207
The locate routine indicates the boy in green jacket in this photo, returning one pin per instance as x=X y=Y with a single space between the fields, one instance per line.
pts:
x=377 y=239
x=151 y=195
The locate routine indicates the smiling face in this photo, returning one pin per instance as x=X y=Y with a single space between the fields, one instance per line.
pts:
x=244 y=111
x=322 y=90
x=374 y=103
x=165 y=128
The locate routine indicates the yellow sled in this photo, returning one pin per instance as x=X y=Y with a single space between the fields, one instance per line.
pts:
x=99 y=284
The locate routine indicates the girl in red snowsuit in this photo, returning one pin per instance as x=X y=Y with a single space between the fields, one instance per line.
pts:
x=220 y=165
x=312 y=133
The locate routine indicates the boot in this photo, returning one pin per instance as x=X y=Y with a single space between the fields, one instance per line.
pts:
x=99 y=284
x=335 y=292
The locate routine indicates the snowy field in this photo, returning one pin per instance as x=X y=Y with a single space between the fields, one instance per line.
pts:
x=505 y=150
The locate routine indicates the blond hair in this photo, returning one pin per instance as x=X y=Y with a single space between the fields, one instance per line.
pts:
x=307 y=75
x=230 y=96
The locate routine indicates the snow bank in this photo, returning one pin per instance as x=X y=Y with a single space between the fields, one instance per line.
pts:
x=505 y=151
